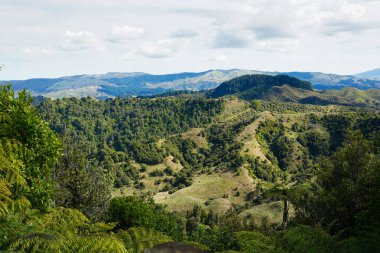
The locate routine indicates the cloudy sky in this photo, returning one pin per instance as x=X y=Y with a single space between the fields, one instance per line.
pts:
x=51 y=38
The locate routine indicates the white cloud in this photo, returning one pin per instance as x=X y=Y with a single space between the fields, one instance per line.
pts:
x=36 y=51
x=351 y=17
x=218 y=57
x=160 y=49
x=184 y=33
x=323 y=35
x=282 y=45
x=230 y=39
x=79 y=40
x=122 y=34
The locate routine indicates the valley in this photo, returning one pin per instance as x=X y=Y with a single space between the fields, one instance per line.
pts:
x=243 y=126
x=240 y=157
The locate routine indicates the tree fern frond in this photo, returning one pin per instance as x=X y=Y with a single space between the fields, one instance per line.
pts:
x=20 y=204
x=64 y=220
x=11 y=166
x=138 y=239
x=97 y=243
x=40 y=243
x=79 y=244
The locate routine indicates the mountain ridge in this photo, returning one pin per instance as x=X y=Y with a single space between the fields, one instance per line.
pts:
x=120 y=84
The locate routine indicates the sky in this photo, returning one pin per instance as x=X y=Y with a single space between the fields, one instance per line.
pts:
x=52 y=38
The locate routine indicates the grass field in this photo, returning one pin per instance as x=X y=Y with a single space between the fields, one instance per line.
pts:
x=210 y=189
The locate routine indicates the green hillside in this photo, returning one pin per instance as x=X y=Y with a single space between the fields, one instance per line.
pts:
x=346 y=96
x=358 y=97
x=222 y=174
x=282 y=88
x=253 y=86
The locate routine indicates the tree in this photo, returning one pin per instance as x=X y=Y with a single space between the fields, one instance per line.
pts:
x=286 y=193
x=79 y=184
x=255 y=104
x=347 y=180
x=282 y=192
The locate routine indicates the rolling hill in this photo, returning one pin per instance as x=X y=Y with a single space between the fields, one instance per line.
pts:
x=282 y=88
x=253 y=86
x=348 y=96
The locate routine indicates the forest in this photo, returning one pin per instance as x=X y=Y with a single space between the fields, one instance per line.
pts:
x=117 y=175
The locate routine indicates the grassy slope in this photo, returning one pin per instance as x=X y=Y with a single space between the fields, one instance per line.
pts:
x=371 y=97
x=218 y=190
x=248 y=137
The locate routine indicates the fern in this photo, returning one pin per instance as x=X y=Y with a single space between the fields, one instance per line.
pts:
x=253 y=241
x=138 y=239
x=79 y=244
x=64 y=221
x=97 y=243
x=11 y=175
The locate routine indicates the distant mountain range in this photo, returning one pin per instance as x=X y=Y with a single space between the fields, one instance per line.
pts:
x=143 y=84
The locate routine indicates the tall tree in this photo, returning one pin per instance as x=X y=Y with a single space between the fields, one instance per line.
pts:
x=348 y=180
x=79 y=184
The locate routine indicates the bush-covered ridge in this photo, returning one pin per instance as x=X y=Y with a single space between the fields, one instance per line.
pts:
x=253 y=86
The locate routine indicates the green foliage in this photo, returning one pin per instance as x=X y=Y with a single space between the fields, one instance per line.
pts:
x=305 y=239
x=11 y=176
x=366 y=234
x=253 y=241
x=318 y=143
x=59 y=230
x=12 y=227
x=263 y=170
x=21 y=125
x=347 y=180
x=288 y=107
x=281 y=149
x=115 y=131
x=252 y=86
x=80 y=184
x=104 y=136
x=134 y=212
x=224 y=151
x=256 y=104
x=64 y=221
x=47 y=243
x=337 y=126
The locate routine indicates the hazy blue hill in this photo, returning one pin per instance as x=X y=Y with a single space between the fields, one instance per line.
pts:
x=138 y=85
x=253 y=86
x=372 y=74
x=323 y=81
x=37 y=85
